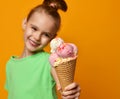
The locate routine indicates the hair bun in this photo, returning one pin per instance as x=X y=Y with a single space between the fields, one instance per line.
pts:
x=56 y=4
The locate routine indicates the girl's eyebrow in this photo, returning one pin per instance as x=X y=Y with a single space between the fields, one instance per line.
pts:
x=34 y=26
x=44 y=31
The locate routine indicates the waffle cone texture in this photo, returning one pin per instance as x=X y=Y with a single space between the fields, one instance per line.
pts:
x=65 y=72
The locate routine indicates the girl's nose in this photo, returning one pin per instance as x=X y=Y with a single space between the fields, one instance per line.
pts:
x=37 y=35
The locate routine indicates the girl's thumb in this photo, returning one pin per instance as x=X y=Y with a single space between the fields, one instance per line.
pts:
x=59 y=88
x=54 y=74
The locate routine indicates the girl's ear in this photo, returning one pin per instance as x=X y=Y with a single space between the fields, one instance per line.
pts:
x=24 y=22
x=54 y=36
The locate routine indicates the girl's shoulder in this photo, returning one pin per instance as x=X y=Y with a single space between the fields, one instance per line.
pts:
x=44 y=54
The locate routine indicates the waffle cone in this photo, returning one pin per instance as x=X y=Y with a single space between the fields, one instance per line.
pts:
x=65 y=72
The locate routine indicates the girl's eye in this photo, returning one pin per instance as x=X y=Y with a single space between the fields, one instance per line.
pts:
x=47 y=35
x=34 y=29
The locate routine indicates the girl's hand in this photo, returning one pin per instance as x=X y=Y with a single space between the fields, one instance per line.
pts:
x=72 y=91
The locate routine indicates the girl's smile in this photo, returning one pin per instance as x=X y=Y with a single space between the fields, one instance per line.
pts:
x=39 y=30
x=34 y=43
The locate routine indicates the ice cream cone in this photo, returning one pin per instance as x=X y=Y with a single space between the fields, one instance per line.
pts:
x=65 y=72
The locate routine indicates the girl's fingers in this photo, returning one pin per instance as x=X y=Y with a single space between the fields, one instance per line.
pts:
x=74 y=96
x=71 y=86
x=71 y=92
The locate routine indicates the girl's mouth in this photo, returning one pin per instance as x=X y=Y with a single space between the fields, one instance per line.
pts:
x=34 y=43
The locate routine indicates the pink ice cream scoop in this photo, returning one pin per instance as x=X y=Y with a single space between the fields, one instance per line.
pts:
x=61 y=51
x=66 y=50
x=53 y=58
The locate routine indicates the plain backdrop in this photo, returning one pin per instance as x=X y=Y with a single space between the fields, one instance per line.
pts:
x=93 y=25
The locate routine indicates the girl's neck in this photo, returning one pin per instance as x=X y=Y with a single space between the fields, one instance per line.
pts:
x=25 y=53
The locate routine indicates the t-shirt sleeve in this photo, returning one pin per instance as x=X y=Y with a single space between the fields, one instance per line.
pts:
x=50 y=67
x=6 y=85
x=6 y=82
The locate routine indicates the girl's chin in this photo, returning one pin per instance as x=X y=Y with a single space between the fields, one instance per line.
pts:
x=31 y=47
x=34 y=50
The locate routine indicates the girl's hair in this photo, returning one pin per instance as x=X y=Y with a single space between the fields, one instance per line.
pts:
x=51 y=8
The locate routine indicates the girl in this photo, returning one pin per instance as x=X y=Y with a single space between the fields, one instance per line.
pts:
x=28 y=76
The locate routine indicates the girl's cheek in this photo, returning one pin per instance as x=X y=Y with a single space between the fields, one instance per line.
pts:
x=25 y=36
x=45 y=40
x=28 y=33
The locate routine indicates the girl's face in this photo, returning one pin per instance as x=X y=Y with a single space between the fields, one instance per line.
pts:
x=39 y=30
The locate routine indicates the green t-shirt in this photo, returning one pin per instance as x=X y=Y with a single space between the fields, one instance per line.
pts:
x=30 y=78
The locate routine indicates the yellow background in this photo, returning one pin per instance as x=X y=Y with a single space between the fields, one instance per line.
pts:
x=93 y=25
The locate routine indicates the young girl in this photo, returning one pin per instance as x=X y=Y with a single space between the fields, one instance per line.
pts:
x=28 y=76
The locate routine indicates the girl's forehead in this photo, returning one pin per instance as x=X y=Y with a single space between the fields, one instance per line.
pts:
x=43 y=20
x=42 y=15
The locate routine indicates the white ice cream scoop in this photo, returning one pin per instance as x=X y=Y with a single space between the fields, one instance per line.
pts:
x=55 y=43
